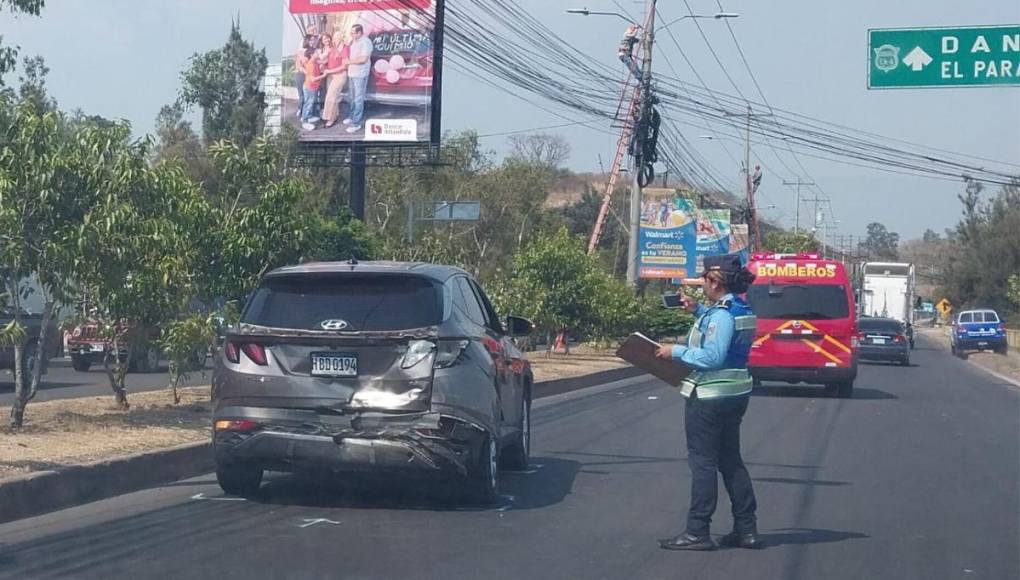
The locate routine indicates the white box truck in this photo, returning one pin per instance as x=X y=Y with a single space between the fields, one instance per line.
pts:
x=887 y=290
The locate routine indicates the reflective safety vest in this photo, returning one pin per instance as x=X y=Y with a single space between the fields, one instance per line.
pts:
x=733 y=380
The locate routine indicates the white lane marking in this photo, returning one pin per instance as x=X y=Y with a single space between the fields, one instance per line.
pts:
x=201 y=496
x=532 y=468
x=311 y=522
x=653 y=398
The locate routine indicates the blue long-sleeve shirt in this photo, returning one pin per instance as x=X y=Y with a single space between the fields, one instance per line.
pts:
x=717 y=326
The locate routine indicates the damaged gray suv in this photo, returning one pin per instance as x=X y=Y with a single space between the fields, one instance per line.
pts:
x=386 y=368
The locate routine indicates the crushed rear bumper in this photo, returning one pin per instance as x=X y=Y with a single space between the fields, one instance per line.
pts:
x=298 y=439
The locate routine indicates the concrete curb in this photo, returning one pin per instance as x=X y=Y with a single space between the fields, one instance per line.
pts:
x=47 y=491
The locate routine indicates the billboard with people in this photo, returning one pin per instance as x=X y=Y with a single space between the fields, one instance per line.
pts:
x=358 y=70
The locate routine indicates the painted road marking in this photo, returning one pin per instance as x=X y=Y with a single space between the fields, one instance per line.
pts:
x=202 y=497
x=311 y=522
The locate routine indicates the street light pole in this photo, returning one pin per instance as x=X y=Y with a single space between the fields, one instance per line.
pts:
x=644 y=111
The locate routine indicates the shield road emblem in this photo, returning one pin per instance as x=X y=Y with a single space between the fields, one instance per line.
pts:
x=887 y=57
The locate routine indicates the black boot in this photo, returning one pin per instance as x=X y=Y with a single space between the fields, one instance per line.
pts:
x=687 y=541
x=748 y=541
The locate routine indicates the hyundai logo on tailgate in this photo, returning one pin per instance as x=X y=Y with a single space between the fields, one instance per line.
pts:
x=334 y=325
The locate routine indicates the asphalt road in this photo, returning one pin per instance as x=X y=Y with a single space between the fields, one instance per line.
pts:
x=916 y=477
x=63 y=382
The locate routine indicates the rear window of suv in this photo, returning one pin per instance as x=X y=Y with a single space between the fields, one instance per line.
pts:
x=365 y=303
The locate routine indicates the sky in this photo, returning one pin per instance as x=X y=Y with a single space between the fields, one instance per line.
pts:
x=123 y=58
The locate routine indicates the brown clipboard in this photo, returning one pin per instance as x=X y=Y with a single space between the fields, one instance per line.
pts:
x=639 y=350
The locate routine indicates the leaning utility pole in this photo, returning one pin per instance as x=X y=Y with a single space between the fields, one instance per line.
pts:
x=644 y=112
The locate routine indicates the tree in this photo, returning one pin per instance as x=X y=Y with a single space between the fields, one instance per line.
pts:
x=177 y=142
x=542 y=149
x=340 y=238
x=46 y=191
x=181 y=340
x=555 y=283
x=580 y=218
x=139 y=233
x=880 y=244
x=986 y=249
x=1013 y=292
x=783 y=242
x=226 y=84
x=32 y=91
x=511 y=194
x=9 y=54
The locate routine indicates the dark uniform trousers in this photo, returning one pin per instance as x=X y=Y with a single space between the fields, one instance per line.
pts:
x=713 y=444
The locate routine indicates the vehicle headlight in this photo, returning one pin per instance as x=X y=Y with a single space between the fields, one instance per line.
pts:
x=417 y=351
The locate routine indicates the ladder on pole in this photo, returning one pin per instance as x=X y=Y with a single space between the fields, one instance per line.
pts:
x=621 y=152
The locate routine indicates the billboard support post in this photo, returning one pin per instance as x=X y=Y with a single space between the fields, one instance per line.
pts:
x=358 y=179
x=438 y=31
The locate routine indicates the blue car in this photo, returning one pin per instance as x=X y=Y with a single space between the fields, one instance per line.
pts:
x=978 y=330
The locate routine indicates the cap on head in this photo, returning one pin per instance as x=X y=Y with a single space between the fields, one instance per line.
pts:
x=725 y=265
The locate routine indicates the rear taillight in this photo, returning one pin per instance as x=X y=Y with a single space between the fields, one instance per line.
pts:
x=899 y=338
x=231 y=351
x=255 y=352
x=232 y=425
x=856 y=339
x=1002 y=328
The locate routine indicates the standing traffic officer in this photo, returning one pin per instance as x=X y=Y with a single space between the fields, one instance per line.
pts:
x=717 y=392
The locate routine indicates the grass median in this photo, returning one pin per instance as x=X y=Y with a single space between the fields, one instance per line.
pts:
x=76 y=431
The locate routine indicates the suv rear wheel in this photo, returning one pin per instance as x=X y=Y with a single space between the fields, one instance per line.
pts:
x=241 y=479
x=483 y=478
x=1003 y=350
x=517 y=456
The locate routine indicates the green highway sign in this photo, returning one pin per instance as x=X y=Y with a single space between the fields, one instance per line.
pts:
x=973 y=56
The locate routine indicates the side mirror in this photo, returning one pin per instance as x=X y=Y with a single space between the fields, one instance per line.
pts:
x=517 y=326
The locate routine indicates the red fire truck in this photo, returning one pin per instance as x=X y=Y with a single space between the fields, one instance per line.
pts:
x=807 y=329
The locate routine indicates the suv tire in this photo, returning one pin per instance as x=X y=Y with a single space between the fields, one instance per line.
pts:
x=482 y=482
x=80 y=363
x=905 y=361
x=240 y=479
x=147 y=360
x=517 y=456
x=1003 y=350
x=197 y=360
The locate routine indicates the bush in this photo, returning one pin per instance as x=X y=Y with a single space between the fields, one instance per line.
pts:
x=662 y=323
